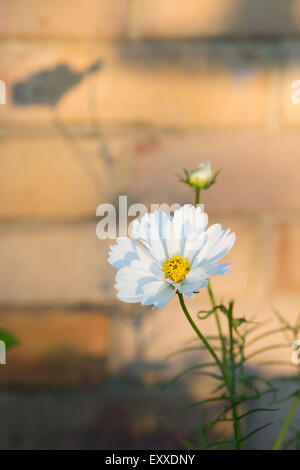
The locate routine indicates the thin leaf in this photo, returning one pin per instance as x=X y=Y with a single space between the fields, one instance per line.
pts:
x=244 y=399
x=210 y=374
x=257 y=327
x=276 y=363
x=187 y=445
x=284 y=321
x=255 y=377
x=183 y=350
x=255 y=431
x=186 y=371
x=264 y=335
x=256 y=410
x=214 y=444
x=262 y=350
x=196 y=339
x=195 y=404
x=9 y=339
x=190 y=349
x=295 y=393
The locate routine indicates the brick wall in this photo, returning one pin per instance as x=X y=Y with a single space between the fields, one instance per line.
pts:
x=109 y=97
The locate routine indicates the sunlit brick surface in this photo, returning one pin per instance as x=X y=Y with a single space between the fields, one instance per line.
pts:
x=109 y=98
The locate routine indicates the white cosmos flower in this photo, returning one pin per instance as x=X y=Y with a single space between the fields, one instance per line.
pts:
x=169 y=255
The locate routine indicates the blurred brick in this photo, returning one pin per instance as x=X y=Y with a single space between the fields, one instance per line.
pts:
x=276 y=361
x=122 y=416
x=39 y=79
x=287 y=257
x=290 y=73
x=55 y=265
x=244 y=276
x=141 y=345
x=63 y=179
x=55 y=347
x=259 y=171
x=64 y=19
x=171 y=84
x=60 y=176
x=174 y=18
x=154 y=18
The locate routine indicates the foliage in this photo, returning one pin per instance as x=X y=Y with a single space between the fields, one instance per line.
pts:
x=236 y=390
x=9 y=339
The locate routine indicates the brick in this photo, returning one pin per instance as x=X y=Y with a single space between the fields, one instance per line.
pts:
x=198 y=84
x=64 y=19
x=93 y=418
x=55 y=347
x=174 y=18
x=73 y=185
x=275 y=361
x=244 y=277
x=163 y=18
x=140 y=346
x=59 y=176
x=55 y=265
x=286 y=277
x=154 y=18
x=260 y=313
x=259 y=171
x=290 y=73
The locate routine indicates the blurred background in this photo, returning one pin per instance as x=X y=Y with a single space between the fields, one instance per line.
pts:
x=113 y=97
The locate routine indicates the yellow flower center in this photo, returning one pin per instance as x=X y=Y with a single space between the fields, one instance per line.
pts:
x=176 y=268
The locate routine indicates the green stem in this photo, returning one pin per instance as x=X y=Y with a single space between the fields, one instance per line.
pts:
x=197 y=200
x=287 y=422
x=212 y=299
x=222 y=339
x=232 y=387
x=223 y=366
x=237 y=431
x=203 y=339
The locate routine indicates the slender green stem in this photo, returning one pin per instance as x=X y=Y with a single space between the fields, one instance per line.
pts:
x=237 y=430
x=222 y=339
x=197 y=200
x=203 y=339
x=287 y=422
x=212 y=299
x=223 y=366
x=232 y=386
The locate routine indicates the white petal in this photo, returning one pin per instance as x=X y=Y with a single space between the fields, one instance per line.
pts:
x=156 y=232
x=195 y=280
x=190 y=287
x=150 y=232
x=157 y=293
x=130 y=282
x=217 y=269
x=129 y=300
x=216 y=253
x=218 y=244
x=186 y=221
x=194 y=245
x=147 y=269
x=122 y=253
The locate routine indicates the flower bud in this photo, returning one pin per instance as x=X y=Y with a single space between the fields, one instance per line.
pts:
x=296 y=345
x=201 y=177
